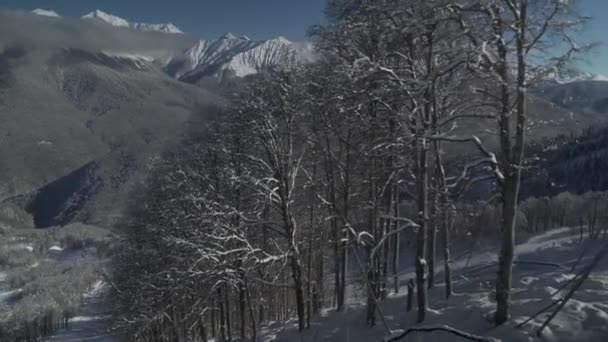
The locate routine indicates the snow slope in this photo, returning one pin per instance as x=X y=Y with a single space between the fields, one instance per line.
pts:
x=543 y=264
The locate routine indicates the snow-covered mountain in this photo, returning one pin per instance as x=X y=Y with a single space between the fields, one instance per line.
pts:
x=239 y=56
x=570 y=76
x=227 y=56
x=46 y=13
x=120 y=22
x=165 y=28
x=108 y=18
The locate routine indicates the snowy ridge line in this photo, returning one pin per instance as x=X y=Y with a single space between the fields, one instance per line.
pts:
x=120 y=22
x=238 y=55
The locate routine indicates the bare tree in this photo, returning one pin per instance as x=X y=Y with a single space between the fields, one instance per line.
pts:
x=511 y=36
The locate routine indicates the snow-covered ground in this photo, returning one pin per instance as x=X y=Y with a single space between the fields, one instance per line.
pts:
x=543 y=264
x=91 y=323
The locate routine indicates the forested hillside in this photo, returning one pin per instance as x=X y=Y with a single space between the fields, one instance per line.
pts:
x=333 y=186
x=569 y=164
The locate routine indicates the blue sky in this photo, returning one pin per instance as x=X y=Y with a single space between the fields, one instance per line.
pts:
x=266 y=18
x=596 y=31
x=204 y=18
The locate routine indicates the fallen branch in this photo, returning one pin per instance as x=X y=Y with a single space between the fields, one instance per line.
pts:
x=565 y=285
x=539 y=263
x=554 y=303
x=398 y=335
x=539 y=312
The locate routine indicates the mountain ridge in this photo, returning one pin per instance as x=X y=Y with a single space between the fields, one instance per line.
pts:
x=238 y=56
x=573 y=75
x=121 y=22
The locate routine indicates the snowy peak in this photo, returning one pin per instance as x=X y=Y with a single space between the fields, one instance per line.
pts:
x=120 y=22
x=228 y=36
x=165 y=28
x=239 y=56
x=282 y=40
x=108 y=18
x=46 y=13
x=570 y=76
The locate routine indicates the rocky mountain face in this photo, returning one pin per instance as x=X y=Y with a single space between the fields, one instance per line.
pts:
x=235 y=56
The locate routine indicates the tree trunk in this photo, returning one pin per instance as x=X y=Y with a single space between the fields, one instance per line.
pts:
x=227 y=313
x=446 y=225
x=505 y=261
x=296 y=272
x=213 y=320
x=202 y=329
x=223 y=314
x=432 y=243
x=410 y=295
x=421 y=240
x=512 y=158
x=242 y=308
x=252 y=319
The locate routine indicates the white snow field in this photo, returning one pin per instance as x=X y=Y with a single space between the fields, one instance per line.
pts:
x=543 y=264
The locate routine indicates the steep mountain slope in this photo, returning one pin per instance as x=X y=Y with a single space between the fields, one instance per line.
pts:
x=233 y=56
x=81 y=125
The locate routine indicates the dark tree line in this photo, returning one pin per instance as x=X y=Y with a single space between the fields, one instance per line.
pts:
x=560 y=163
